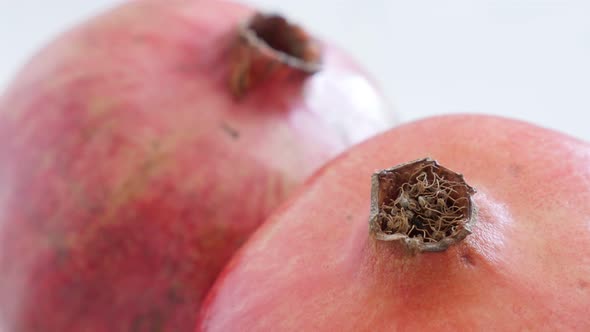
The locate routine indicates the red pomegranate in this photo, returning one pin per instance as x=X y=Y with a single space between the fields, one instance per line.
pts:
x=140 y=149
x=515 y=256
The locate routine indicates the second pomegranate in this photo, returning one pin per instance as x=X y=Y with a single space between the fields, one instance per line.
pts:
x=140 y=149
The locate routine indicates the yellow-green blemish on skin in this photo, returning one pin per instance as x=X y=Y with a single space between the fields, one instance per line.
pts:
x=136 y=184
x=99 y=106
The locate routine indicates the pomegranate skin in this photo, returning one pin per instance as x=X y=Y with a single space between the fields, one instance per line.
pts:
x=130 y=174
x=314 y=267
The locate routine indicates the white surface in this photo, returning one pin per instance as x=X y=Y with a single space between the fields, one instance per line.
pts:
x=527 y=59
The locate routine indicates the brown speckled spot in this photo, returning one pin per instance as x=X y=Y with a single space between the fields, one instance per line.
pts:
x=175 y=294
x=148 y=322
x=232 y=132
x=515 y=170
x=467 y=259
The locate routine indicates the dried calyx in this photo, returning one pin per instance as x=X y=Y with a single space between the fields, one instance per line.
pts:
x=270 y=46
x=422 y=204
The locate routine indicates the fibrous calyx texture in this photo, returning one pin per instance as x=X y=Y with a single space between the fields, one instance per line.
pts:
x=421 y=203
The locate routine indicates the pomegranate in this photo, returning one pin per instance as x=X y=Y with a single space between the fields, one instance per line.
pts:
x=505 y=246
x=140 y=149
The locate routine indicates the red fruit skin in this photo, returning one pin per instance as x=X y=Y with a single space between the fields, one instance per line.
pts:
x=130 y=174
x=526 y=267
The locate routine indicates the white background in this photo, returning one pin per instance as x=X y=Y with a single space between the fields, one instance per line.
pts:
x=528 y=59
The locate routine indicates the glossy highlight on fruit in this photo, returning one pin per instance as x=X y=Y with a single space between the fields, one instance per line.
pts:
x=140 y=149
x=315 y=265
